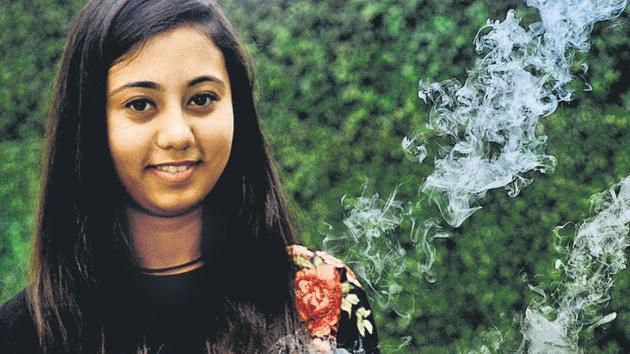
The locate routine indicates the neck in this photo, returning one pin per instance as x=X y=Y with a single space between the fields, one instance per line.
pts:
x=162 y=242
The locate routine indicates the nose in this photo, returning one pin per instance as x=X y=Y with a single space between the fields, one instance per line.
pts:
x=175 y=132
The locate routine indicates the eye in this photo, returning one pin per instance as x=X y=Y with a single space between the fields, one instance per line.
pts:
x=203 y=99
x=140 y=105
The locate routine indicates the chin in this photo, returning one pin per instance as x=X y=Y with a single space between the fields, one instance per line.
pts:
x=171 y=210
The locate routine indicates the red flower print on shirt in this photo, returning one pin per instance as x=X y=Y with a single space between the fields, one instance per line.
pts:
x=318 y=298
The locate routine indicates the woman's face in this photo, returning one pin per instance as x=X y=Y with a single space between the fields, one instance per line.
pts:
x=170 y=121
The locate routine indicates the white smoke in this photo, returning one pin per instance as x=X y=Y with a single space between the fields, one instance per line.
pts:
x=593 y=260
x=492 y=121
x=492 y=118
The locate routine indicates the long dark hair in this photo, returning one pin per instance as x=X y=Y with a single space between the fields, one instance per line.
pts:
x=82 y=256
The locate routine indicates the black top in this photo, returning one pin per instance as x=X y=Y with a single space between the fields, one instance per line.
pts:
x=17 y=331
x=173 y=309
x=171 y=306
x=173 y=316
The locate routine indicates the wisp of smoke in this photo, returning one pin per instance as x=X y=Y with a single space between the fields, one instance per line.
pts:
x=370 y=223
x=596 y=255
x=492 y=118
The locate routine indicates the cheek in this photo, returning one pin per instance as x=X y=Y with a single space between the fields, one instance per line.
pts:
x=227 y=136
x=217 y=140
x=126 y=144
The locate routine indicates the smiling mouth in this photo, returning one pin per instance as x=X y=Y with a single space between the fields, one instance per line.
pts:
x=175 y=172
x=173 y=169
x=175 y=166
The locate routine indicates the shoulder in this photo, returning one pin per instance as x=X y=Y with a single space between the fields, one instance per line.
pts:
x=304 y=258
x=331 y=302
x=17 y=331
x=13 y=312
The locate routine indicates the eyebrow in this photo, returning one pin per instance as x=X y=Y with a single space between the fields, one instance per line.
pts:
x=155 y=86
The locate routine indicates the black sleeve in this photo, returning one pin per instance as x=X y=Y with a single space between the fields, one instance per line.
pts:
x=17 y=331
x=349 y=336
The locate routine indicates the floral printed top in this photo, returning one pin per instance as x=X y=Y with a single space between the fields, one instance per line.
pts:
x=331 y=303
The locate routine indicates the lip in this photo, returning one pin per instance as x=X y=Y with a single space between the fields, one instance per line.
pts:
x=176 y=177
x=176 y=163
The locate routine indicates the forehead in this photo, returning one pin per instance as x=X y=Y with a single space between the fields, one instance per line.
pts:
x=170 y=57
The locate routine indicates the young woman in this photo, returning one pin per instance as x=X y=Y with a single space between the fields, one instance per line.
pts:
x=162 y=226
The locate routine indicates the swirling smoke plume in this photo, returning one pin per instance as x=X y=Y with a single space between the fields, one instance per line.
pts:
x=492 y=123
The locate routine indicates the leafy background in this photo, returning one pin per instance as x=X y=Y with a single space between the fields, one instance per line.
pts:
x=337 y=90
